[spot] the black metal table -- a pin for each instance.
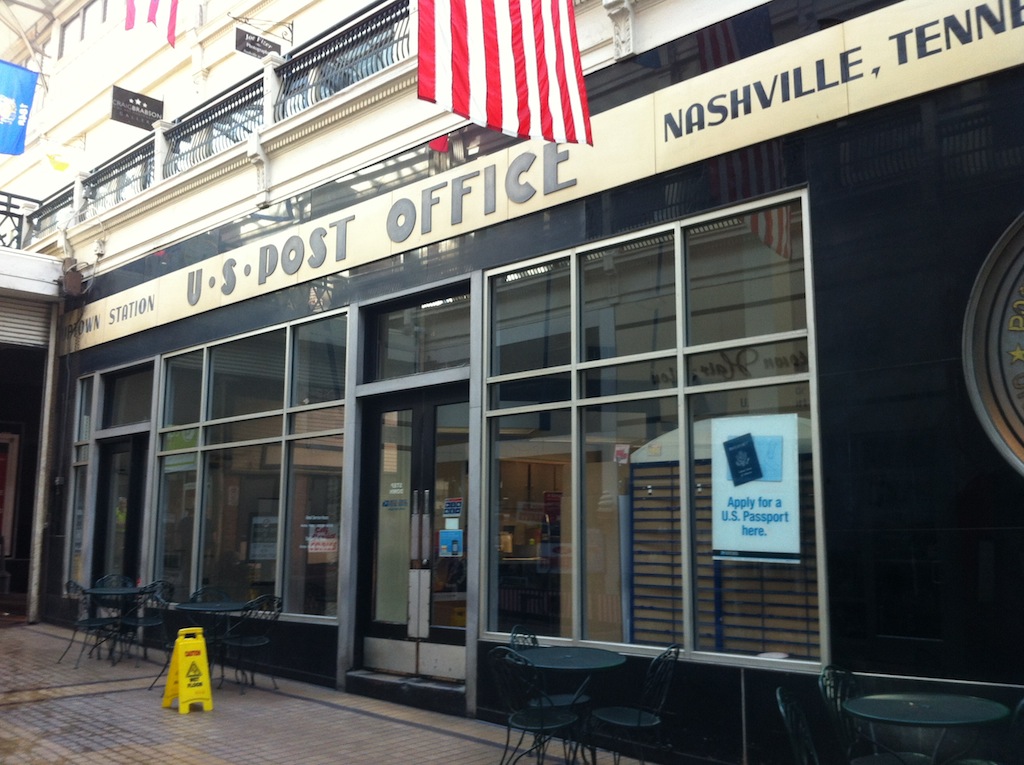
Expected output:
(573, 658)
(214, 616)
(119, 600)
(941, 711)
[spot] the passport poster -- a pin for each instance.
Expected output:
(755, 488)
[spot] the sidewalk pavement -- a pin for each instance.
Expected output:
(98, 713)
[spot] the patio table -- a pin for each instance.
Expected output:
(941, 711)
(118, 600)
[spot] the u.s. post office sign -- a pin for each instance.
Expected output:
(894, 53)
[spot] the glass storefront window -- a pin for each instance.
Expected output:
(77, 531)
(632, 510)
(531, 318)
(745, 276)
(247, 375)
(183, 389)
(697, 531)
(422, 337)
(629, 298)
(127, 397)
(84, 426)
(177, 518)
(240, 520)
(314, 509)
(318, 364)
(755, 556)
(531, 576)
(224, 466)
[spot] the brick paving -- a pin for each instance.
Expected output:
(98, 713)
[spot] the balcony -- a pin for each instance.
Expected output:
(326, 66)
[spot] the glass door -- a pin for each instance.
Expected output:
(413, 575)
(119, 507)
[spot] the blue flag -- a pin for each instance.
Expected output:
(17, 87)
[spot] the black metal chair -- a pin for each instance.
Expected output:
(116, 607)
(1010, 745)
(801, 742)
(521, 638)
(148, 620)
(249, 637)
(80, 611)
(836, 685)
(528, 709)
(638, 726)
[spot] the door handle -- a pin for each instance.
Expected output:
(415, 532)
(426, 512)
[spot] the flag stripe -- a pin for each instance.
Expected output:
(427, 80)
(514, 65)
(494, 107)
(172, 23)
(460, 52)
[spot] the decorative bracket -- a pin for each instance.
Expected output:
(622, 15)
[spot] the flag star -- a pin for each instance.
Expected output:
(1017, 354)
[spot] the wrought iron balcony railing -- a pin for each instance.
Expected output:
(327, 66)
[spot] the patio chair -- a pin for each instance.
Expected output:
(639, 726)
(149, 617)
(249, 637)
(836, 685)
(1010, 745)
(79, 608)
(527, 708)
(522, 638)
(801, 742)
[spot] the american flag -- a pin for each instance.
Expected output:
(154, 9)
(509, 65)
(753, 170)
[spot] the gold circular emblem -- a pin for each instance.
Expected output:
(993, 345)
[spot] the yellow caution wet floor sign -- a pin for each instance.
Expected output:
(188, 678)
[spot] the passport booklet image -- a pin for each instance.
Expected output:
(741, 455)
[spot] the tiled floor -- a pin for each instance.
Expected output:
(98, 713)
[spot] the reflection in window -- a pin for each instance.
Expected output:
(631, 507)
(247, 375)
(318, 369)
(127, 397)
(183, 388)
(743, 295)
(177, 516)
(531, 319)
(314, 507)
(762, 603)
(423, 337)
(233, 455)
(629, 298)
(746, 275)
(240, 520)
(531, 578)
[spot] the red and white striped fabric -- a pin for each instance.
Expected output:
(509, 65)
(151, 17)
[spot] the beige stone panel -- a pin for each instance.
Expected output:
(910, 48)
(796, 92)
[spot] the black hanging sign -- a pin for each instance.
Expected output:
(135, 109)
(253, 44)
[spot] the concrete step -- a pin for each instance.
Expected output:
(419, 692)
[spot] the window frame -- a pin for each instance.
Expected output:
(680, 355)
